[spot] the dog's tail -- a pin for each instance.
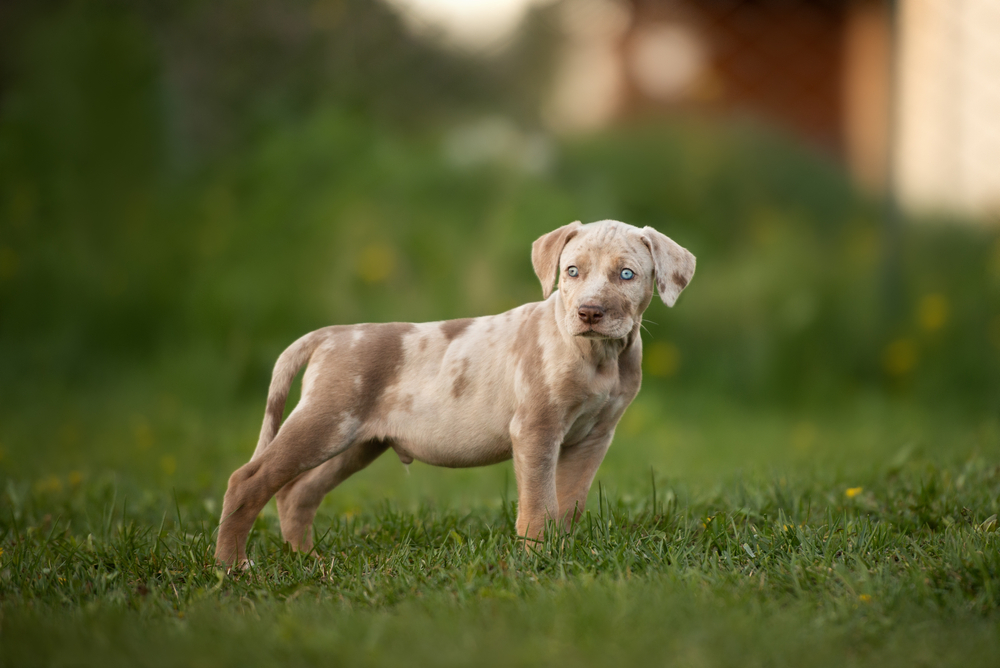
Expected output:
(285, 370)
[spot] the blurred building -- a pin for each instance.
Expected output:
(948, 120)
(905, 92)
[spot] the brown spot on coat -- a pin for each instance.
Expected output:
(679, 280)
(453, 328)
(379, 356)
(541, 419)
(461, 380)
(616, 306)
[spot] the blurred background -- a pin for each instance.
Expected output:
(186, 187)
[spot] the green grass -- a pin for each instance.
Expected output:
(717, 535)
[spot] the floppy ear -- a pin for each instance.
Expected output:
(673, 265)
(545, 254)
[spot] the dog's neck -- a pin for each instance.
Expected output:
(603, 351)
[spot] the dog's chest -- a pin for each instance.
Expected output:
(601, 400)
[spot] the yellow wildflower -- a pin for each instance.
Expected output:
(900, 356)
(852, 492)
(376, 263)
(661, 359)
(168, 464)
(49, 484)
(933, 311)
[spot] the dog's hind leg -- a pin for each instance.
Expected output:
(305, 441)
(299, 499)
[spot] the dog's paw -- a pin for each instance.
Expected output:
(240, 567)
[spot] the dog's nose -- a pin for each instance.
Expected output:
(590, 314)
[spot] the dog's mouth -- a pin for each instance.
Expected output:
(591, 333)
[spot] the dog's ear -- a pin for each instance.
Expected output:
(673, 265)
(545, 254)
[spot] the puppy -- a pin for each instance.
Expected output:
(544, 384)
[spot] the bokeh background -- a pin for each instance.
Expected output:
(186, 187)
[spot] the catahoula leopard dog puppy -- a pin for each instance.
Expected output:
(544, 383)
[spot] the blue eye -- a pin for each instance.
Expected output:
(573, 272)
(627, 274)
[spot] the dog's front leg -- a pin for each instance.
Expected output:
(575, 474)
(536, 453)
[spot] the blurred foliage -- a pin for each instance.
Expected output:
(178, 186)
(214, 75)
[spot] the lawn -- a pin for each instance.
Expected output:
(862, 535)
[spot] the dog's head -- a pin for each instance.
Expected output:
(606, 272)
